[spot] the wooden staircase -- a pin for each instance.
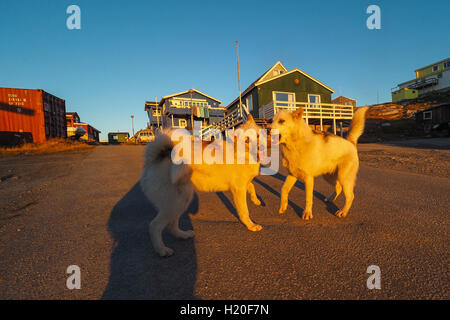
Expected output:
(230, 121)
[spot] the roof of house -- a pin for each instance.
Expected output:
(432, 64)
(118, 133)
(253, 84)
(406, 82)
(87, 124)
(261, 79)
(184, 92)
(344, 98)
(149, 104)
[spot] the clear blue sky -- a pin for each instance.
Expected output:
(128, 52)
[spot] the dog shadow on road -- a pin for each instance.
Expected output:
(136, 271)
(331, 207)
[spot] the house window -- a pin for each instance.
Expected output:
(182, 123)
(435, 68)
(284, 99)
(427, 115)
(447, 64)
(250, 103)
(313, 98)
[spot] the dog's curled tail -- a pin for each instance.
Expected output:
(159, 149)
(357, 126)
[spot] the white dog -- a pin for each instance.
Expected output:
(168, 186)
(308, 153)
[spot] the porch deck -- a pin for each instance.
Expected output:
(313, 113)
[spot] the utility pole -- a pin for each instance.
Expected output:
(239, 80)
(239, 76)
(191, 92)
(157, 110)
(132, 123)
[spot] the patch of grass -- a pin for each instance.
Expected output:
(50, 146)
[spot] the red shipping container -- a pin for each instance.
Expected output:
(32, 111)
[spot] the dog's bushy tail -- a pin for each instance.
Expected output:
(160, 150)
(357, 126)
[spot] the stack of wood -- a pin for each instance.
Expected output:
(392, 111)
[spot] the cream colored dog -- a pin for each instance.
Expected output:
(170, 187)
(234, 177)
(308, 154)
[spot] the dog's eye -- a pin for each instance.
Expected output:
(281, 121)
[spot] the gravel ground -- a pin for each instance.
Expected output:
(87, 209)
(433, 162)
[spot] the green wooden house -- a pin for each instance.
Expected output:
(278, 89)
(279, 84)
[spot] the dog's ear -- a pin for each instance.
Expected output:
(298, 113)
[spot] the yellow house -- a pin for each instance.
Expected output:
(404, 94)
(431, 78)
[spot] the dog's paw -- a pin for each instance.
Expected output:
(255, 227)
(165, 252)
(256, 202)
(282, 210)
(307, 215)
(341, 214)
(186, 234)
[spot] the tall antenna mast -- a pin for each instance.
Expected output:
(239, 79)
(239, 76)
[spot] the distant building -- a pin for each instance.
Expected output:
(432, 78)
(71, 119)
(154, 114)
(345, 101)
(92, 134)
(30, 115)
(118, 137)
(434, 118)
(174, 111)
(73, 122)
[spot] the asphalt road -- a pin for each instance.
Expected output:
(86, 209)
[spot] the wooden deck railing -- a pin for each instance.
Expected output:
(320, 111)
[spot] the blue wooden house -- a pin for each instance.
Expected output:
(175, 110)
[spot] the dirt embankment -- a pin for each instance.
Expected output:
(51, 146)
(433, 162)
